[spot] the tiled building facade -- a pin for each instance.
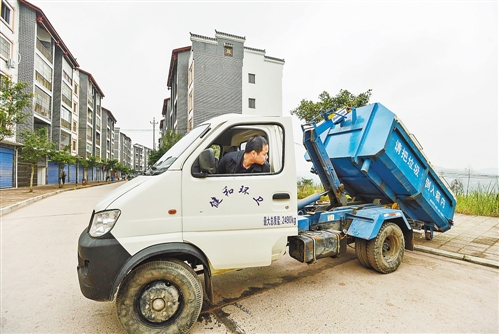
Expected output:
(217, 76)
(123, 148)
(67, 100)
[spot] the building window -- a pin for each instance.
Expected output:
(190, 124)
(89, 133)
(75, 108)
(251, 78)
(43, 73)
(5, 47)
(228, 50)
(190, 75)
(43, 102)
(66, 94)
(75, 126)
(190, 101)
(74, 145)
(67, 77)
(76, 89)
(65, 119)
(6, 12)
(252, 103)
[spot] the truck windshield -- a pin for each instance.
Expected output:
(173, 153)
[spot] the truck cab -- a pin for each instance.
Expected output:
(184, 212)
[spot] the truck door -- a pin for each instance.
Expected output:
(242, 220)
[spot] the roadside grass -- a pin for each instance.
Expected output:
(306, 188)
(483, 201)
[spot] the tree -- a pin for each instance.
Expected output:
(457, 187)
(110, 165)
(13, 99)
(310, 111)
(36, 147)
(61, 158)
(91, 163)
(79, 161)
(124, 170)
(168, 139)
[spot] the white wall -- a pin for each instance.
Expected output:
(267, 89)
(11, 33)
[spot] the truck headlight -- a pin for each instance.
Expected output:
(103, 222)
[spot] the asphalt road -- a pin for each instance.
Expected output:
(40, 292)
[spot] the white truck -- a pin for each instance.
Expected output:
(149, 239)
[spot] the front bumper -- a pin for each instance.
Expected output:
(99, 262)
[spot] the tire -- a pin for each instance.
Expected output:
(159, 297)
(361, 252)
(386, 251)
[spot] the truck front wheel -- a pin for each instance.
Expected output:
(159, 297)
(386, 251)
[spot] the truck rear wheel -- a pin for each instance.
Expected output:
(361, 252)
(386, 251)
(159, 297)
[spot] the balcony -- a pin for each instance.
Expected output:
(42, 111)
(44, 82)
(43, 50)
(65, 124)
(66, 100)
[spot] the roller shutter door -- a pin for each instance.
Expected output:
(53, 173)
(6, 167)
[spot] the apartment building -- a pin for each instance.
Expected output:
(67, 100)
(108, 126)
(49, 67)
(140, 157)
(220, 75)
(123, 148)
(9, 46)
(90, 116)
(165, 112)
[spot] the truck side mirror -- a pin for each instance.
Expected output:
(205, 164)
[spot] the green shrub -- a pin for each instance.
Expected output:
(483, 201)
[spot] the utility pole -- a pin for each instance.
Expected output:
(153, 133)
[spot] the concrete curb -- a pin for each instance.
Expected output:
(19, 205)
(456, 256)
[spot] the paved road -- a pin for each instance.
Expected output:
(40, 293)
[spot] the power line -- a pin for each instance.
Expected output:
(136, 130)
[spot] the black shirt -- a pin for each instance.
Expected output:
(232, 163)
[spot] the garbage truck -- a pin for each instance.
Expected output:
(149, 239)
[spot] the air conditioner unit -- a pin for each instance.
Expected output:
(11, 63)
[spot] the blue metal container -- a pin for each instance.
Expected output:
(375, 157)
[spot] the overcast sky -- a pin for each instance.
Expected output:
(434, 64)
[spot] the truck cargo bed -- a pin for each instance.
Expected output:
(375, 157)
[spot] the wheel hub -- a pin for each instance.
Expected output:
(388, 248)
(159, 302)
